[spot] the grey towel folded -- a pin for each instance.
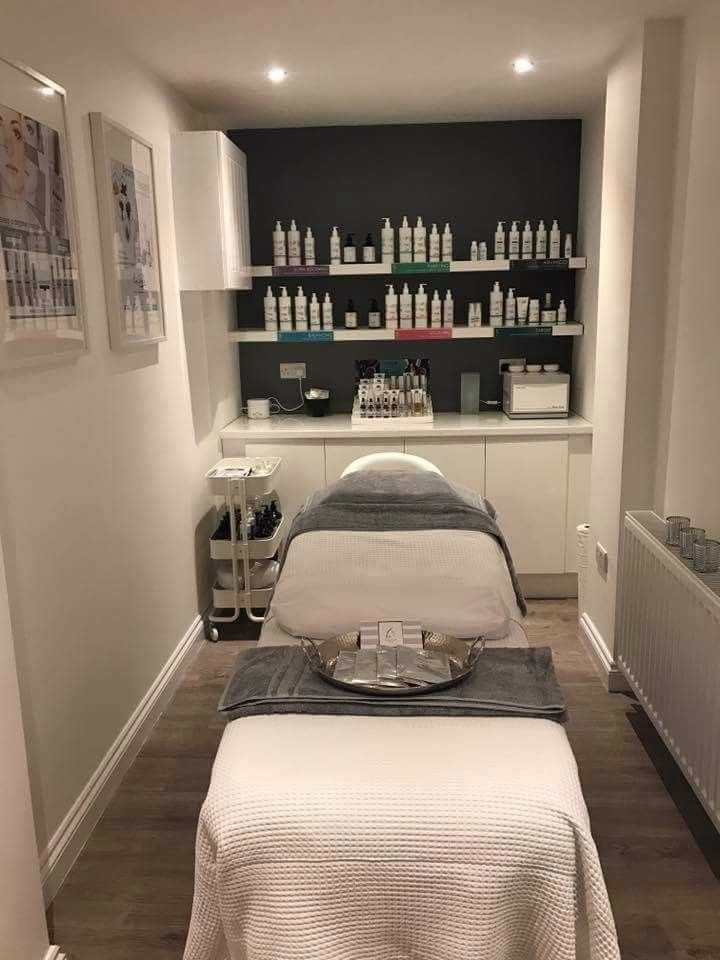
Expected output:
(507, 682)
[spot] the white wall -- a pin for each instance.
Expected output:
(103, 510)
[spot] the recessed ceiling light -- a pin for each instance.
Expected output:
(276, 74)
(47, 91)
(523, 65)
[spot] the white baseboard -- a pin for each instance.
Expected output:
(71, 836)
(610, 674)
(53, 953)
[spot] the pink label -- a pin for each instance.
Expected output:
(424, 334)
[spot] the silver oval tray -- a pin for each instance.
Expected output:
(462, 657)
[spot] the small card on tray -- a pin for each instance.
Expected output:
(390, 633)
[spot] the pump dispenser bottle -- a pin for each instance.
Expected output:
(314, 313)
(474, 250)
(270, 304)
(421, 307)
(448, 310)
(482, 250)
(309, 247)
(405, 241)
(436, 311)
(541, 242)
(349, 251)
(387, 242)
(293, 241)
(285, 309)
(527, 241)
(279, 254)
(568, 245)
(554, 241)
(301, 320)
(510, 309)
(391, 308)
(447, 243)
(562, 312)
(419, 242)
(406, 314)
(496, 306)
(335, 246)
(500, 240)
(327, 313)
(514, 242)
(434, 245)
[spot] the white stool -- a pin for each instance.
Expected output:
(391, 461)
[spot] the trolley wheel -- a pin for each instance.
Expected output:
(213, 634)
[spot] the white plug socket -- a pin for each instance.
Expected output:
(293, 371)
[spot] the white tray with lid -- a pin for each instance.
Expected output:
(259, 474)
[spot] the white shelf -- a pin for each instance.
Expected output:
(254, 484)
(257, 549)
(430, 334)
(410, 269)
(225, 599)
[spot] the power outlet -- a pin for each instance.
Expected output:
(293, 371)
(601, 559)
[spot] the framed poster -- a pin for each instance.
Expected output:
(129, 236)
(41, 305)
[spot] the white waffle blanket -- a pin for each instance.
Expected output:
(424, 838)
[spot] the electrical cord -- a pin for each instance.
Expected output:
(513, 620)
(290, 409)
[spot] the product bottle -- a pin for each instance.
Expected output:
(285, 310)
(500, 240)
(419, 242)
(568, 245)
(541, 242)
(374, 314)
(350, 316)
(335, 246)
(434, 245)
(387, 240)
(349, 252)
(301, 320)
(271, 317)
(436, 310)
(405, 241)
(421, 307)
(309, 247)
(474, 250)
(482, 250)
(406, 315)
(527, 241)
(447, 243)
(327, 313)
(391, 308)
(547, 314)
(279, 255)
(510, 308)
(448, 309)
(534, 312)
(562, 313)
(314, 313)
(554, 241)
(496, 306)
(369, 250)
(293, 242)
(514, 242)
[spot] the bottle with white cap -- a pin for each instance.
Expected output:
(434, 245)
(293, 243)
(541, 242)
(327, 313)
(405, 241)
(448, 309)
(406, 310)
(270, 304)
(514, 242)
(301, 320)
(314, 312)
(447, 243)
(436, 311)
(500, 240)
(562, 312)
(554, 240)
(474, 250)
(309, 247)
(421, 307)
(387, 242)
(527, 241)
(496, 306)
(279, 254)
(510, 311)
(391, 308)
(568, 245)
(482, 250)
(285, 309)
(335, 246)
(419, 242)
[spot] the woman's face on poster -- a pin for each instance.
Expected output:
(12, 154)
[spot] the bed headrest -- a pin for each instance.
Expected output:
(406, 462)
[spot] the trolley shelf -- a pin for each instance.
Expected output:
(225, 599)
(257, 549)
(254, 485)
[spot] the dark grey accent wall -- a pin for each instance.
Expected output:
(470, 174)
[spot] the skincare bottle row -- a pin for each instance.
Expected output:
(288, 249)
(406, 310)
(415, 244)
(308, 316)
(526, 245)
(510, 310)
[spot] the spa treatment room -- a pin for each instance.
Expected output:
(359, 472)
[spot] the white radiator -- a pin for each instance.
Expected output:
(668, 647)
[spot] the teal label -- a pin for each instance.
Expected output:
(303, 336)
(524, 331)
(442, 267)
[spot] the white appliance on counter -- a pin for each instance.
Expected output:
(528, 395)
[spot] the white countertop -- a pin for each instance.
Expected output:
(338, 426)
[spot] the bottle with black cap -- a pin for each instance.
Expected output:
(369, 250)
(374, 318)
(349, 252)
(351, 316)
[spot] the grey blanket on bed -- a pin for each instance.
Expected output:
(507, 682)
(380, 500)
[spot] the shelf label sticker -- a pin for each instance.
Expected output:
(525, 330)
(443, 266)
(302, 336)
(561, 263)
(302, 270)
(431, 333)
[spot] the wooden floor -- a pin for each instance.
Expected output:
(129, 894)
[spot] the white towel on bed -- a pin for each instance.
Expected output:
(425, 838)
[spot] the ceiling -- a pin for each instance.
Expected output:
(377, 61)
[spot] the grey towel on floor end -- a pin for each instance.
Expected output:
(507, 682)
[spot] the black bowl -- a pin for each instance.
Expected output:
(317, 406)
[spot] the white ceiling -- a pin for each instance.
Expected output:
(378, 61)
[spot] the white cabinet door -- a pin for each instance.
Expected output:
(302, 471)
(526, 481)
(340, 453)
(235, 222)
(578, 495)
(462, 461)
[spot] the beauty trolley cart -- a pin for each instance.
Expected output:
(241, 481)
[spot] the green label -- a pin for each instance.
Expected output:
(442, 267)
(303, 336)
(524, 331)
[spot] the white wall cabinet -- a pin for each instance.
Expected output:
(212, 224)
(462, 461)
(340, 453)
